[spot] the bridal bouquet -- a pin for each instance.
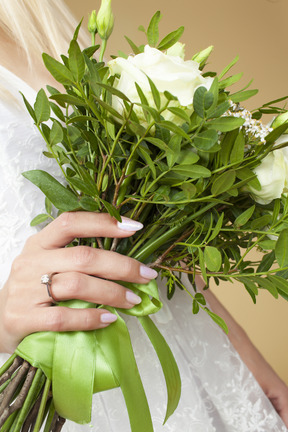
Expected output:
(162, 140)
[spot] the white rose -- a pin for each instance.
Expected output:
(272, 174)
(168, 72)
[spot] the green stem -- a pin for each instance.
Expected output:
(146, 251)
(42, 406)
(30, 398)
(8, 363)
(102, 50)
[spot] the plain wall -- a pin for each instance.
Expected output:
(256, 30)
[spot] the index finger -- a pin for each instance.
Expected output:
(71, 225)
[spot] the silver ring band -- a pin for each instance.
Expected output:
(46, 279)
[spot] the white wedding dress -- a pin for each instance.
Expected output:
(219, 394)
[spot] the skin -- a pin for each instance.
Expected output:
(81, 273)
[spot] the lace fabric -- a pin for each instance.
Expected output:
(218, 392)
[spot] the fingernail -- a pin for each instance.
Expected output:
(129, 225)
(107, 318)
(133, 298)
(147, 272)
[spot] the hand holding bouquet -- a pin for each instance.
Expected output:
(158, 139)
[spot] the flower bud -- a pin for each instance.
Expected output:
(203, 55)
(279, 120)
(177, 50)
(92, 26)
(105, 20)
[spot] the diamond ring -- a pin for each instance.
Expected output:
(46, 279)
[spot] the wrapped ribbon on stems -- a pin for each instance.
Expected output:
(82, 363)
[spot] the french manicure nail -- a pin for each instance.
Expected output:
(147, 272)
(133, 298)
(129, 225)
(107, 318)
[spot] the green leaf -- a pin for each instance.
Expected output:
(202, 101)
(266, 284)
(111, 210)
(200, 298)
(244, 217)
(237, 152)
(218, 320)
(227, 68)
(223, 183)
(83, 186)
(175, 129)
(229, 81)
(226, 124)
(202, 265)
(89, 204)
(158, 143)
(206, 140)
(57, 111)
(187, 157)
(39, 219)
(145, 155)
(170, 39)
(217, 228)
(155, 94)
(261, 222)
(134, 47)
(195, 307)
(243, 95)
(42, 107)
(153, 29)
(76, 33)
(68, 99)
(276, 133)
(141, 95)
(61, 197)
(76, 61)
(251, 289)
(281, 285)
(267, 262)
(48, 206)
(249, 176)
(114, 91)
(59, 71)
(56, 134)
(192, 171)
(29, 108)
(181, 113)
(281, 249)
(219, 110)
(174, 150)
(108, 108)
(212, 258)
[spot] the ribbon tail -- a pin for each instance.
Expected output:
(168, 363)
(117, 348)
(73, 375)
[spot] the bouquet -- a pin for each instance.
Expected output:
(164, 141)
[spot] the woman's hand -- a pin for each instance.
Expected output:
(80, 272)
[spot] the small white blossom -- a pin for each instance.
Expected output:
(253, 128)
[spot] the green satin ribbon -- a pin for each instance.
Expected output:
(82, 363)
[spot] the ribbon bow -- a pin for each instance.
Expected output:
(82, 363)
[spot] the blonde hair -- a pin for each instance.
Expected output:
(39, 26)
(34, 27)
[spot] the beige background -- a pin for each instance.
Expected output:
(256, 30)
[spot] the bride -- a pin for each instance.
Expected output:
(219, 392)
